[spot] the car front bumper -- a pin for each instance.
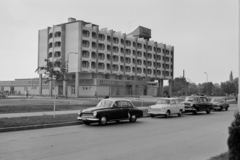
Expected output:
(157, 112)
(93, 119)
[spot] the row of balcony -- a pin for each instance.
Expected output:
(101, 66)
(115, 40)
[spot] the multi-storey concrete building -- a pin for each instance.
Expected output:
(105, 62)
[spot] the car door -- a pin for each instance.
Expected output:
(116, 111)
(206, 103)
(125, 106)
(172, 106)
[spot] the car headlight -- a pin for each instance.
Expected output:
(95, 113)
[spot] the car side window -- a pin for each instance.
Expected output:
(117, 104)
(126, 104)
(177, 102)
(172, 102)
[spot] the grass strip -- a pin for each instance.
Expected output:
(41, 108)
(223, 156)
(36, 120)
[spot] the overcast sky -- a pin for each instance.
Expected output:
(204, 33)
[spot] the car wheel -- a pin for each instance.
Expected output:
(226, 108)
(221, 108)
(151, 115)
(180, 113)
(133, 118)
(87, 123)
(195, 112)
(167, 114)
(103, 120)
(208, 111)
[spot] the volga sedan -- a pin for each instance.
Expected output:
(219, 104)
(110, 110)
(166, 106)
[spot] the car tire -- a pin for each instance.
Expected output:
(167, 114)
(102, 120)
(221, 108)
(133, 118)
(87, 123)
(195, 112)
(180, 113)
(226, 108)
(151, 115)
(208, 111)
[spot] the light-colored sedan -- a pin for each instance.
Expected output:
(166, 107)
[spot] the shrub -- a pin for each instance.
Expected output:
(234, 138)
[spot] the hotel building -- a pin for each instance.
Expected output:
(104, 62)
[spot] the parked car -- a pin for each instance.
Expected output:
(110, 109)
(219, 104)
(196, 104)
(166, 107)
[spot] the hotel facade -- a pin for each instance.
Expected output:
(104, 62)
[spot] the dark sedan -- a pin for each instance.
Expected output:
(219, 104)
(110, 110)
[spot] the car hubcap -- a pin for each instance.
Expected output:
(133, 117)
(103, 120)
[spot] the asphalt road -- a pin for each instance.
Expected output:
(191, 137)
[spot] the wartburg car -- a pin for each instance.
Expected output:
(196, 104)
(219, 104)
(110, 110)
(166, 107)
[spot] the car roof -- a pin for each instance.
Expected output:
(117, 99)
(169, 98)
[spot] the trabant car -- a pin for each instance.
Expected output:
(196, 104)
(110, 110)
(219, 104)
(166, 107)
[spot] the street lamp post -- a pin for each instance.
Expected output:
(206, 76)
(67, 69)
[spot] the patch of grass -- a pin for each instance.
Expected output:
(223, 156)
(36, 120)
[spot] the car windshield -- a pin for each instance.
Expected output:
(105, 103)
(191, 99)
(216, 100)
(163, 101)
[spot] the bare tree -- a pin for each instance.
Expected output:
(56, 72)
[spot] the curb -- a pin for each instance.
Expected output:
(21, 128)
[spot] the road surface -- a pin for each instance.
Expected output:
(192, 137)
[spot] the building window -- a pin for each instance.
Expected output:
(115, 40)
(139, 46)
(57, 54)
(101, 46)
(115, 58)
(85, 54)
(72, 89)
(158, 57)
(85, 43)
(108, 38)
(50, 55)
(57, 44)
(50, 45)
(128, 52)
(85, 64)
(128, 43)
(101, 37)
(139, 53)
(150, 48)
(122, 41)
(94, 35)
(50, 35)
(158, 50)
(108, 48)
(108, 67)
(101, 56)
(85, 33)
(108, 57)
(94, 45)
(93, 65)
(93, 55)
(115, 49)
(134, 53)
(115, 67)
(58, 34)
(101, 66)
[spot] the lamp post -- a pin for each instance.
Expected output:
(206, 76)
(67, 69)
